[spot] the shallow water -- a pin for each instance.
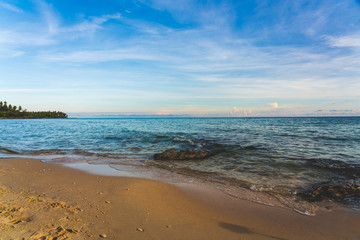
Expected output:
(276, 155)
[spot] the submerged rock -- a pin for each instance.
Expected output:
(340, 193)
(184, 154)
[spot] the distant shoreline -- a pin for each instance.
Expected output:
(29, 118)
(176, 117)
(8, 111)
(189, 117)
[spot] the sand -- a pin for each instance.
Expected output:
(47, 201)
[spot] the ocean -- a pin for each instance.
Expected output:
(292, 160)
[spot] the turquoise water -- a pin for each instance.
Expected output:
(283, 155)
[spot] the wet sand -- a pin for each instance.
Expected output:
(47, 201)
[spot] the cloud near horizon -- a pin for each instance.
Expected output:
(274, 105)
(238, 112)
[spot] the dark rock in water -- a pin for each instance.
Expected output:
(185, 154)
(8, 151)
(338, 193)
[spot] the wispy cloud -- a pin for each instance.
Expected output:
(11, 7)
(99, 56)
(90, 25)
(352, 40)
(52, 19)
(54, 32)
(36, 90)
(17, 54)
(27, 39)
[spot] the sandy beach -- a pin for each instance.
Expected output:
(47, 201)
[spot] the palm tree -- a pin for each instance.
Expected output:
(18, 112)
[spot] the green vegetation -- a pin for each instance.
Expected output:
(9, 111)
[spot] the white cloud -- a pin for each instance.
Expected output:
(345, 41)
(238, 112)
(273, 105)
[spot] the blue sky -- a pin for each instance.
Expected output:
(202, 58)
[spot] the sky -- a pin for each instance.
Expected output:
(227, 58)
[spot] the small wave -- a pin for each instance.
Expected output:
(330, 163)
(84, 153)
(234, 148)
(252, 147)
(306, 212)
(103, 156)
(214, 146)
(45, 152)
(7, 151)
(336, 165)
(114, 138)
(144, 138)
(161, 137)
(261, 188)
(185, 154)
(289, 135)
(186, 140)
(336, 138)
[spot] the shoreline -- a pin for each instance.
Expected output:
(197, 184)
(49, 200)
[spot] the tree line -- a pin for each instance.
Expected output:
(9, 111)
